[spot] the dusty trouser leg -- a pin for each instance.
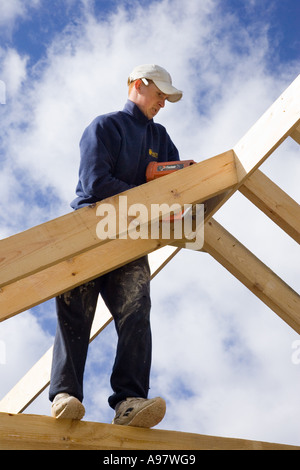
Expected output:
(75, 313)
(126, 292)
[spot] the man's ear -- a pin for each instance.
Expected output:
(138, 84)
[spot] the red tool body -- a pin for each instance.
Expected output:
(157, 169)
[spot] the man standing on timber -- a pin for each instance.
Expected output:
(115, 150)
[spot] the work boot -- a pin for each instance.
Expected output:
(140, 412)
(67, 407)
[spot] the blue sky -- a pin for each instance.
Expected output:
(221, 358)
(282, 19)
(32, 35)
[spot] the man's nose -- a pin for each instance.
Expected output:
(162, 102)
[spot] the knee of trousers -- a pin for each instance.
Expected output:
(136, 312)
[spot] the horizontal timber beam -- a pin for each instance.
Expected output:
(31, 432)
(48, 244)
(254, 274)
(274, 202)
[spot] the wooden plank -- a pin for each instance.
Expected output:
(269, 131)
(29, 387)
(59, 278)
(274, 126)
(274, 202)
(295, 134)
(52, 242)
(254, 274)
(31, 432)
(217, 175)
(34, 382)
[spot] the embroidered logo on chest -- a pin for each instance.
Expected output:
(153, 154)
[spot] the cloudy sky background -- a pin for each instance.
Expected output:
(221, 358)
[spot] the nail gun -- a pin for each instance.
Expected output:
(157, 169)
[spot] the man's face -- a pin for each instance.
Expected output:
(150, 99)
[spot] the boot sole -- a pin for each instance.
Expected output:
(149, 416)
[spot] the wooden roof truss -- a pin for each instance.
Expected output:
(58, 255)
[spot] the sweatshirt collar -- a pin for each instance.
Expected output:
(132, 109)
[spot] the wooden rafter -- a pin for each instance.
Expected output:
(295, 134)
(254, 274)
(274, 202)
(274, 126)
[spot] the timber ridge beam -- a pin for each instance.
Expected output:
(31, 432)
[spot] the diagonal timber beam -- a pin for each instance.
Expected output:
(295, 134)
(281, 120)
(275, 125)
(254, 274)
(212, 177)
(59, 278)
(34, 382)
(31, 432)
(274, 202)
(44, 246)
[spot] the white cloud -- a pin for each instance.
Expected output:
(221, 358)
(12, 10)
(13, 70)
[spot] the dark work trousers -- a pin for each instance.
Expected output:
(126, 292)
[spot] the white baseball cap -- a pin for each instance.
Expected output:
(160, 77)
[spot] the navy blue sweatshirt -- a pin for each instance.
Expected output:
(115, 150)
